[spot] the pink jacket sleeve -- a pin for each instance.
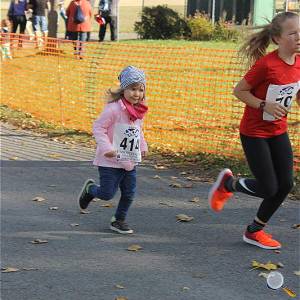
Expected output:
(144, 146)
(100, 130)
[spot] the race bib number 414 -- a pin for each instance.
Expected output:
(126, 142)
(282, 94)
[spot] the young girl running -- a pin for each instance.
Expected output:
(120, 146)
(268, 90)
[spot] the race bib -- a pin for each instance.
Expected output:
(126, 142)
(283, 94)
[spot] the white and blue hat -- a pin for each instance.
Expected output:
(131, 75)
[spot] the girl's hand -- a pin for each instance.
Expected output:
(275, 109)
(144, 153)
(110, 154)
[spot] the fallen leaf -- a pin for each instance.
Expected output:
(184, 218)
(134, 247)
(156, 177)
(175, 185)
(291, 293)
(280, 265)
(296, 226)
(119, 286)
(84, 212)
(74, 224)
(38, 199)
(14, 158)
(9, 270)
(53, 208)
(121, 298)
(268, 266)
(297, 273)
(174, 177)
(185, 288)
(38, 241)
(263, 274)
(277, 251)
(193, 178)
(159, 167)
(195, 199)
(183, 173)
(55, 155)
(107, 205)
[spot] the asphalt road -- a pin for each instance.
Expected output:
(82, 259)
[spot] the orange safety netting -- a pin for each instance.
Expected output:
(189, 90)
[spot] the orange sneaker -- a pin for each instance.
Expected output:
(261, 239)
(218, 194)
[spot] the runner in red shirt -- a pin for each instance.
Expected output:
(268, 90)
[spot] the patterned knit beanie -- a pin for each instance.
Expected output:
(131, 75)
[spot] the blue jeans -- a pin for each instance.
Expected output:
(40, 23)
(80, 37)
(110, 180)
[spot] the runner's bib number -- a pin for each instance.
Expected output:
(126, 141)
(283, 94)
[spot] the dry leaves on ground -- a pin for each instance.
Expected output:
(184, 218)
(121, 298)
(39, 241)
(195, 200)
(9, 270)
(53, 208)
(134, 247)
(107, 205)
(119, 286)
(38, 199)
(291, 293)
(296, 226)
(268, 266)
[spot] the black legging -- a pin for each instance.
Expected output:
(19, 21)
(271, 162)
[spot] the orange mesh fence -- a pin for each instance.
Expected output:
(189, 90)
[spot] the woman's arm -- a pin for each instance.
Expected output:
(243, 92)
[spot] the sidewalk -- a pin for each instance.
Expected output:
(82, 259)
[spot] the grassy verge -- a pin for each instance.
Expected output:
(200, 167)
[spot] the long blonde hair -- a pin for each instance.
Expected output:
(115, 95)
(256, 45)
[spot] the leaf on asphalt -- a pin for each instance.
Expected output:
(184, 218)
(291, 293)
(183, 173)
(159, 167)
(74, 224)
(38, 199)
(107, 205)
(263, 274)
(156, 177)
(173, 177)
(175, 185)
(134, 247)
(268, 266)
(297, 273)
(84, 212)
(55, 155)
(38, 241)
(9, 270)
(195, 200)
(119, 286)
(14, 158)
(166, 204)
(185, 288)
(296, 226)
(121, 298)
(280, 265)
(53, 208)
(277, 251)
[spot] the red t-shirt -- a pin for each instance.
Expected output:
(272, 80)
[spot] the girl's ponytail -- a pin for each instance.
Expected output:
(256, 45)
